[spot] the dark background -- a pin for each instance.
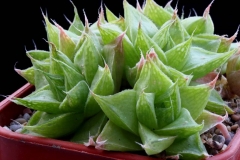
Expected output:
(22, 23)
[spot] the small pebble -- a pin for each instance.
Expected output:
(212, 151)
(20, 116)
(27, 110)
(21, 120)
(217, 145)
(18, 130)
(15, 127)
(224, 147)
(217, 131)
(26, 116)
(234, 127)
(5, 127)
(235, 117)
(13, 123)
(238, 122)
(229, 128)
(219, 138)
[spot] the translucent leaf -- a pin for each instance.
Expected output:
(87, 60)
(91, 128)
(151, 74)
(200, 61)
(144, 43)
(133, 17)
(177, 56)
(39, 54)
(145, 110)
(110, 16)
(184, 126)
(210, 120)
(114, 138)
(120, 22)
(120, 108)
(189, 148)
(75, 98)
(114, 57)
(77, 25)
(195, 98)
(42, 100)
(56, 125)
(153, 143)
(103, 85)
(207, 41)
(217, 105)
(156, 13)
(109, 33)
(27, 74)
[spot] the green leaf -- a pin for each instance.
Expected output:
(179, 77)
(156, 13)
(120, 108)
(75, 98)
(52, 32)
(189, 148)
(103, 85)
(199, 24)
(144, 43)
(151, 74)
(153, 143)
(200, 61)
(114, 57)
(109, 33)
(90, 129)
(42, 100)
(184, 126)
(133, 17)
(66, 44)
(195, 98)
(216, 104)
(77, 25)
(177, 56)
(27, 74)
(56, 125)
(39, 54)
(114, 138)
(110, 16)
(145, 110)
(88, 59)
(207, 41)
(210, 120)
(71, 76)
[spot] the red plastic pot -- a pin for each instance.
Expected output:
(24, 147)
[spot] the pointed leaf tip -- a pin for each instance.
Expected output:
(206, 12)
(213, 82)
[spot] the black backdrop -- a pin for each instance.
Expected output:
(22, 23)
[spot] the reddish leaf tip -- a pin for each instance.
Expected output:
(206, 12)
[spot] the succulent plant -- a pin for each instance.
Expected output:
(132, 83)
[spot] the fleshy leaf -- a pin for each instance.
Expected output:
(91, 128)
(179, 77)
(39, 54)
(183, 126)
(120, 108)
(226, 43)
(56, 125)
(144, 43)
(177, 56)
(156, 13)
(75, 98)
(71, 76)
(195, 98)
(120, 22)
(114, 138)
(207, 41)
(41, 100)
(200, 61)
(114, 57)
(133, 17)
(151, 74)
(217, 105)
(110, 16)
(77, 25)
(56, 84)
(109, 34)
(199, 24)
(189, 148)
(145, 110)
(87, 60)
(210, 120)
(27, 74)
(153, 143)
(66, 44)
(103, 85)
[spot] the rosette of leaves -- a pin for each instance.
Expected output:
(129, 83)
